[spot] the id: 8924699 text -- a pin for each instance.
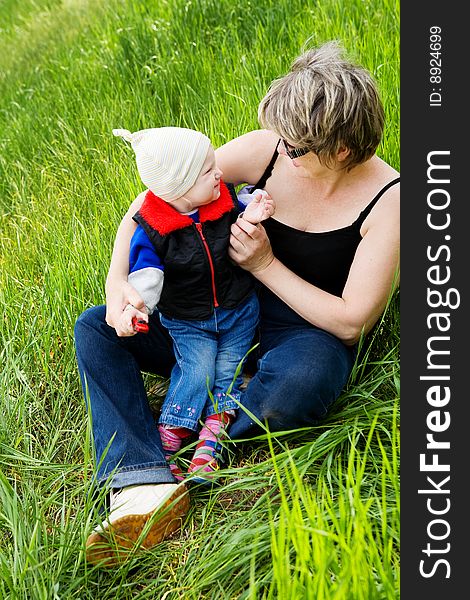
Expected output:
(435, 66)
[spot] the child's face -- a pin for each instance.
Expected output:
(207, 186)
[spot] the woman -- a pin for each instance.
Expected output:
(327, 264)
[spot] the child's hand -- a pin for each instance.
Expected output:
(118, 297)
(126, 327)
(260, 208)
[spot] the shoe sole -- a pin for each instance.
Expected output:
(113, 546)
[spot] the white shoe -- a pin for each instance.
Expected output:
(131, 519)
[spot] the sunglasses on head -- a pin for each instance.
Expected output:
(293, 152)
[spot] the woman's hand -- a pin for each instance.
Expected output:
(250, 247)
(119, 297)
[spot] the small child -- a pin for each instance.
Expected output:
(179, 264)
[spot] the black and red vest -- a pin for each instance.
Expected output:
(199, 274)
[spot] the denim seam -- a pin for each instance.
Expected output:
(134, 469)
(229, 405)
(179, 422)
(143, 467)
(180, 379)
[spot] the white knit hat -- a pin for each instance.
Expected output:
(169, 159)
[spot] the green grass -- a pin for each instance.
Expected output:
(308, 515)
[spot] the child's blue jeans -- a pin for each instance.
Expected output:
(207, 355)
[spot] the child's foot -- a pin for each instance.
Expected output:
(172, 440)
(206, 457)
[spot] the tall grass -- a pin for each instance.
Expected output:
(309, 515)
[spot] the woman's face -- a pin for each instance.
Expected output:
(292, 151)
(302, 164)
(307, 164)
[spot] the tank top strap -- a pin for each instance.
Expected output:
(267, 172)
(364, 213)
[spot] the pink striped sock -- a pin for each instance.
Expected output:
(172, 439)
(214, 430)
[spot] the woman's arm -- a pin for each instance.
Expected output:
(118, 291)
(244, 159)
(371, 280)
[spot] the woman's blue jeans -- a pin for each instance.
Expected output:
(301, 372)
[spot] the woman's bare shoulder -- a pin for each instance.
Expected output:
(137, 202)
(384, 168)
(244, 159)
(391, 176)
(385, 177)
(385, 215)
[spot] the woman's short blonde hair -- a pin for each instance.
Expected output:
(325, 103)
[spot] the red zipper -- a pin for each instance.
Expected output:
(211, 264)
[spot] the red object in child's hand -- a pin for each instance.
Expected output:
(140, 325)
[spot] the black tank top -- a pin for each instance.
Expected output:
(323, 259)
